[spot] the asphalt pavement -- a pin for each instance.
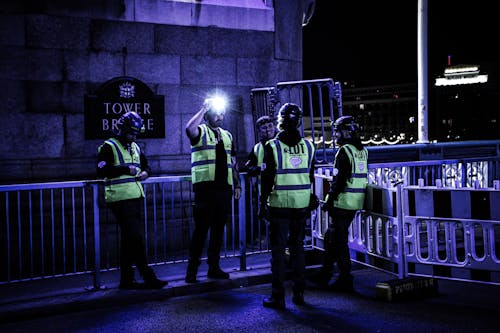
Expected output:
(235, 305)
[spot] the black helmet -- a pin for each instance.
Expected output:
(345, 123)
(130, 122)
(289, 116)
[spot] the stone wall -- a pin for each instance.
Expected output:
(54, 52)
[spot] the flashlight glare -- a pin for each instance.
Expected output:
(217, 103)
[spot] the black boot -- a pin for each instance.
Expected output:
(191, 272)
(150, 279)
(127, 279)
(131, 285)
(215, 272)
(274, 302)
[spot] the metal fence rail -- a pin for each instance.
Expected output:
(64, 228)
(47, 230)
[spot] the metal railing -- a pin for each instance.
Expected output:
(64, 228)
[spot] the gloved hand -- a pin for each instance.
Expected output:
(328, 203)
(263, 211)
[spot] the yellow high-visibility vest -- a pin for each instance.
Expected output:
(203, 155)
(292, 185)
(127, 186)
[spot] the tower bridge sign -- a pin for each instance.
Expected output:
(118, 96)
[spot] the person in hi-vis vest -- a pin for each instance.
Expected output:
(123, 166)
(345, 197)
(267, 130)
(286, 182)
(214, 177)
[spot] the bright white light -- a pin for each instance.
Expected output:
(461, 69)
(217, 103)
(463, 80)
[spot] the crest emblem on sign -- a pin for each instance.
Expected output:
(127, 90)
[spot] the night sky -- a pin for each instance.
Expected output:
(375, 42)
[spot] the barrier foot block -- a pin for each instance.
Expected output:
(407, 288)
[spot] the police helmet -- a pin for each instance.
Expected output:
(345, 123)
(130, 122)
(289, 116)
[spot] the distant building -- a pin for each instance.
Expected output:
(386, 114)
(464, 105)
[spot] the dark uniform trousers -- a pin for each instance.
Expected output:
(132, 248)
(211, 208)
(287, 228)
(336, 242)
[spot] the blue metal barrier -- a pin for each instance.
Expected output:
(65, 228)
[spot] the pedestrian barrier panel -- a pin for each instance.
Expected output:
(374, 237)
(423, 231)
(452, 233)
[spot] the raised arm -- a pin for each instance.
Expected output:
(192, 129)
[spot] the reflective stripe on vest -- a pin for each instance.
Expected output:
(203, 155)
(258, 150)
(292, 185)
(353, 196)
(123, 187)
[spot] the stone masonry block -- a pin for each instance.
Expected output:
(22, 64)
(52, 32)
(242, 43)
(247, 75)
(72, 97)
(45, 97)
(12, 30)
(154, 68)
(115, 35)
(171, 92)
(104, 66)
(13, 97)
(176, 40)
(76, 65)
(217, 71)
(43, 141)
(75, 132)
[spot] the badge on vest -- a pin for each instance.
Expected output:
(295, 161)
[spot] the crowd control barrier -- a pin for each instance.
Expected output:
(429, 231)
(452, 233)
